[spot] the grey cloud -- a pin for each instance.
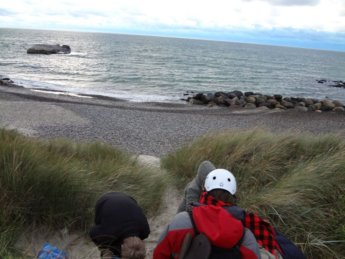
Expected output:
(289, 2)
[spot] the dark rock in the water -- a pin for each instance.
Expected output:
(321, 81)
(338, 84)
(332, 83)
(49, 49)
(5, 80)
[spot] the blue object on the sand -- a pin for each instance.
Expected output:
(51, 252)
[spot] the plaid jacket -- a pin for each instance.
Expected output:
(263, 231)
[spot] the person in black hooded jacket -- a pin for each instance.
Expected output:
(120, 227)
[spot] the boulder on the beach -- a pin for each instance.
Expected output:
(339, 109)
(234, 94)
(286, 104)
(250, 106)
(49, 49)
(327, 105)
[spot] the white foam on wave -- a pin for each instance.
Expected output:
(44, 87)
(32, 84)
(61, 93)
(77, 54)
(134, 97)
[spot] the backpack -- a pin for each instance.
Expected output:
(289, 249)
(200, 247)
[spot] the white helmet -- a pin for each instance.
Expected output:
(221, 179)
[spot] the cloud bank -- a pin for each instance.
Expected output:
(322, 15)
(179, 16)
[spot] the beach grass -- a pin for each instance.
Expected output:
(295, 181)
(56, 183)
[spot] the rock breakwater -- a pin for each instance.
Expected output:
(251, 100)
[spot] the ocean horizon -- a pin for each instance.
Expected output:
(160, 69)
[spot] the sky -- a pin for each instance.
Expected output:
(316, 24)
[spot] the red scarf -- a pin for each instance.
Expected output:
(262, 230)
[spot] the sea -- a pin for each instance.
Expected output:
(161, 69)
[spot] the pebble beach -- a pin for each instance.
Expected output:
(154, 129)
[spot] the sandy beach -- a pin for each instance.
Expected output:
(143, 128)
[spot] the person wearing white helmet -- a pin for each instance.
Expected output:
(216, 218)
(221, 179)
(206, 188)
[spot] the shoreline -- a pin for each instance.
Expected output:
(45, 95)
(144, 128)
(235, 99)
